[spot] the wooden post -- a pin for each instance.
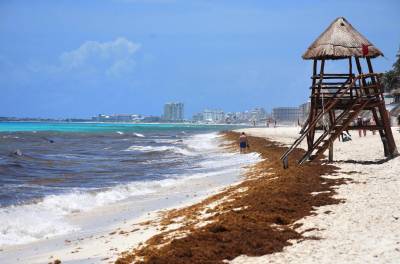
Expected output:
(311, 115)
(350, 66)
(317, 98)
(389, 144)
(359, 69)
(332, 123)
(330, 157)
(286, 163)
(351, 73)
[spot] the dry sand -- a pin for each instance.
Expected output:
(363, 229)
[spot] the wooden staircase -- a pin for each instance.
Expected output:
(349, 99)
(330, 134)
(341, 92)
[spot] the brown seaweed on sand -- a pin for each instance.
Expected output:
(255, 217)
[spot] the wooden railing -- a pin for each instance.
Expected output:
(347, 90)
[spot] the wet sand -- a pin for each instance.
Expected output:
(258, 216)
(108, 230)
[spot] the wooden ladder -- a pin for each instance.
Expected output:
(329, 135)
(308, 126)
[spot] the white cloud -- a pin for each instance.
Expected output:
(120, 68)
(113, 58)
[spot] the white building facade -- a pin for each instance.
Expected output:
(173, 112)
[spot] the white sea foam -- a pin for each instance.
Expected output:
(6, 136)
(175, 149)
(138, 135)
(28, 223)
(49, 217)
(148, 148)
(120, 132)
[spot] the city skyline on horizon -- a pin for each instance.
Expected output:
(187, 117)
(59, 60)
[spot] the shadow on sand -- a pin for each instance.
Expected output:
(365, 162)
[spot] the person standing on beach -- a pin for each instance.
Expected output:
(373, 123)
(243, 143)
(364, 123)
(359, 124)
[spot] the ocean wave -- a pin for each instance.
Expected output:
(8, 136)
(31, 222)
(120, 132)
(205, 143)
(49, 217)
(197, 144)
(165, 141)
(138, 135)
(174, 149)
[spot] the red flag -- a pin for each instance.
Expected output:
(364, 50)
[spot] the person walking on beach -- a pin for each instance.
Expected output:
(364, 123)
(243, 143)
(359, 124)
(373, 123)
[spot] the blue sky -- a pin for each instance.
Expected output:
(81, 58)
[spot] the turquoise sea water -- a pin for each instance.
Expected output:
(49, 170)
(104, 127)
(52, 170)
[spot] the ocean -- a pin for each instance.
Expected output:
(52, 171)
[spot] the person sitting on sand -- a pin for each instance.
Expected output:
(243, 143)
(398, 121)
(345, 135)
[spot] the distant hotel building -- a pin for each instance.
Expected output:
(173, 112)
(118, 118)
(214, 116)
(217, 116)
(198, 117)
(304, 111)
(258, 114)
(286, 114)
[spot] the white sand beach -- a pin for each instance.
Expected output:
(362, 229)
(365, 228)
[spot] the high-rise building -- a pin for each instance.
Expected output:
(258, 114)
(173, 111)
(304, 110)
(286, 114)
(215, 116)
(198, 117)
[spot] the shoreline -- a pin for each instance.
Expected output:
(310, 214)
(255, 217)
(116, 227)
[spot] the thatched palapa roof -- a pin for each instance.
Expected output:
(340, 40)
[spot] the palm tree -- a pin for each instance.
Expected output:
(390, 78)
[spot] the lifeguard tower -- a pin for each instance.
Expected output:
(337, 99)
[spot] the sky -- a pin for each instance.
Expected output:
(80, 58)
